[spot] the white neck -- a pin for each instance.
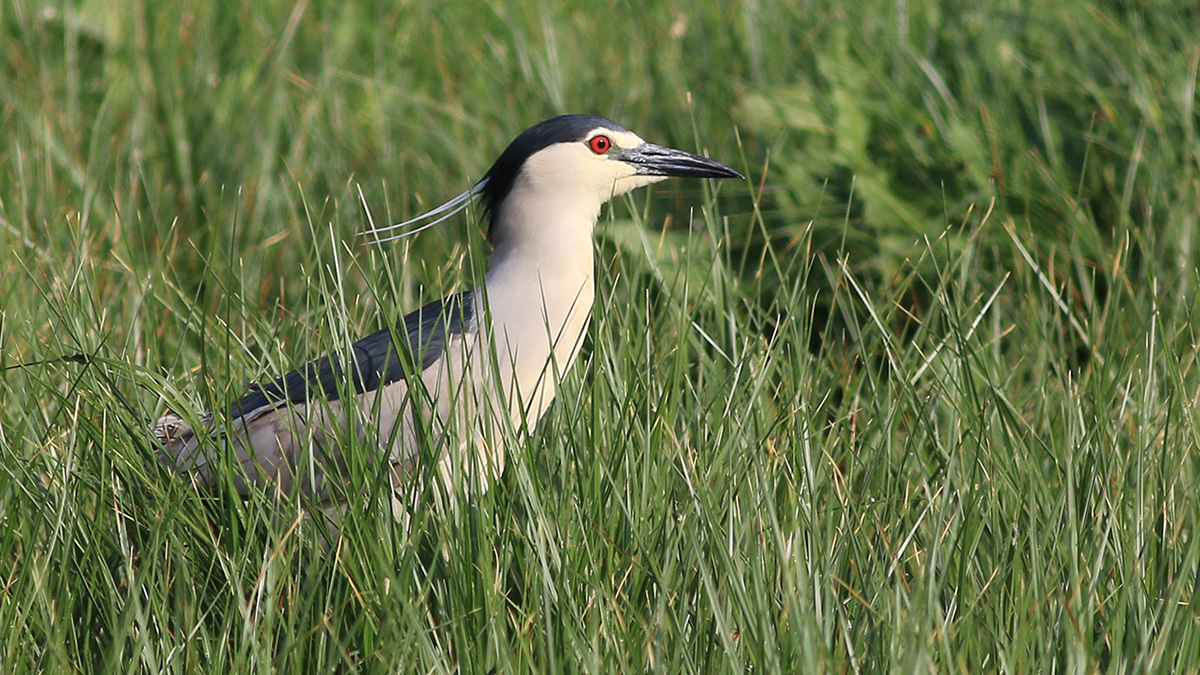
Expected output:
(540, 290)
(553, 235)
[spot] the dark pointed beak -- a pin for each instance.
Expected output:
(655, 160)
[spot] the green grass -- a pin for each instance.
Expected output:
(920, 395)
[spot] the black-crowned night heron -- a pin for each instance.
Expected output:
(487, 358)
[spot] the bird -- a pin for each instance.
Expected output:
(458, 371)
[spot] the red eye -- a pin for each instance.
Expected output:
(599, 144)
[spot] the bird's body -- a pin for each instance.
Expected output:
(487, 358)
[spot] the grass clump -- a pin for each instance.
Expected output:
(918, 396)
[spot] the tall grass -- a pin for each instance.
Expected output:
(919, 395)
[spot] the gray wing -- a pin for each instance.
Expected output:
(375, 360)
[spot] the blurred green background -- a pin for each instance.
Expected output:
(918, 395)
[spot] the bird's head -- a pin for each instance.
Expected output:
(583, 161)
(572, 163)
